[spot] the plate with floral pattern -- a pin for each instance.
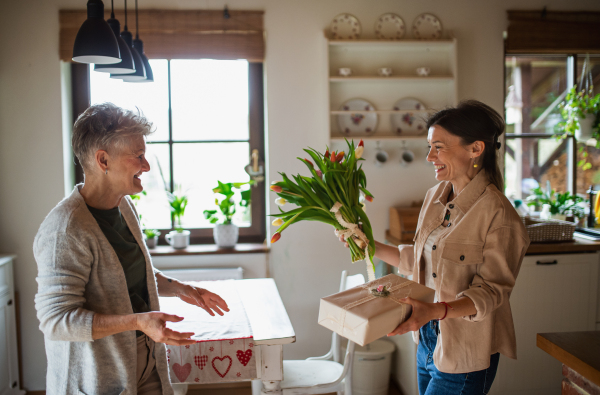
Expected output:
(389, 27)
(411, 116)
(345, 27)
(427, 26)
(360, 122)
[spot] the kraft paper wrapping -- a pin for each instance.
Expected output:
(358, 315)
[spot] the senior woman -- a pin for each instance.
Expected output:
(97, 298)
(469, 246)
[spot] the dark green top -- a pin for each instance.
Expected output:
(130, 255)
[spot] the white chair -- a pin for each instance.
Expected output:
(319, 375)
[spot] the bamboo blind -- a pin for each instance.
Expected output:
(181, 34)
(533, 32)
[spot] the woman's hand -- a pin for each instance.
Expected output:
(342, 238)
(422, 313)
(154, 324)
(202, 298)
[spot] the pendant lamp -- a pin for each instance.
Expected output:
(126, 65)
(140, 73)
(95, 41)
(139, 46)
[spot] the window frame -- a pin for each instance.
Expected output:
(256, 232)
(571, 142)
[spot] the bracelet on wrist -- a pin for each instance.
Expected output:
(446, 312)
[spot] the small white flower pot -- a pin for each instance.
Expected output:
(151, 242)
(226, 236)
(178, 239)
(584, 133)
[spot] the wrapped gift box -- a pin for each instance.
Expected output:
(362, 314)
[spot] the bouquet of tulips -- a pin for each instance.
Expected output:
(332, 194)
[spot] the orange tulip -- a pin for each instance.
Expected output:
(276, 188)
(333, 157)
(326, 154)
(361, 144)
(340, 156)
(276, 236)
(309, 162)
(369, 198)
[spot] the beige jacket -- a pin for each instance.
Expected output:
(79, 274)
(477, 256)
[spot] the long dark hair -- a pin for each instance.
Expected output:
(474, 121)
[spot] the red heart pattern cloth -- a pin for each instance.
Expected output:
(182, 372)
(219, 363)
(200, 361)
(244, 356)
(212, 362)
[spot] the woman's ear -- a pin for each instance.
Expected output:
(477, 148)
(102, 160)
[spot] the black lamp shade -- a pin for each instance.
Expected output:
(140, 73)
(139, 46)
(95, 41)
(126, 65)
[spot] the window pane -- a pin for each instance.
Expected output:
(549, 158)
(152, 98)
(209, 99)
(198, 166)
(154, 206)
(537, 82)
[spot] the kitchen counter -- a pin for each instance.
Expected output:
(580, 354)
(577, 246)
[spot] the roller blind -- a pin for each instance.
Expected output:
(532, 32)
(181, 34)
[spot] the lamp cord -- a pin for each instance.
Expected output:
(125, 28)
(112, 9)
(137, 37)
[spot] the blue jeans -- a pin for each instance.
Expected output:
(434, 382)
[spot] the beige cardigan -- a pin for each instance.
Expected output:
(477, 256)
(79, 274)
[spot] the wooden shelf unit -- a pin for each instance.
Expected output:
(365, 57)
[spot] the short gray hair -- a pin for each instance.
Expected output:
(108, 127)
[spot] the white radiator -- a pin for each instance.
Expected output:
(206, 274)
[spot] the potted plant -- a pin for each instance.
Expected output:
(151, 237)
(178, 238)
(561, 204)
(225, 232)
(580, 112)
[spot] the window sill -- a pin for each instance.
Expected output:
(210, 249)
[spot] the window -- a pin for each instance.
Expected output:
(534, 86)
(208, 117)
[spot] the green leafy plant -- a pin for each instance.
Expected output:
(178, 202)
(151, 233)
(559, 203)
(578, 106)
(136, 199)
(226, 204)
(331, 195)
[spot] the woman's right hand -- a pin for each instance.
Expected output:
(342, 238)
(154, 324)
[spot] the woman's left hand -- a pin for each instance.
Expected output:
(202, 298)
(422, 313)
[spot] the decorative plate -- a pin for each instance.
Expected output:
(427, 26)
(389, 27)
(359, 123)
(411, 118)
(345, 27)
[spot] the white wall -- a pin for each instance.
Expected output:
(307, 261)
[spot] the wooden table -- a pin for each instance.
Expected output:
(580, 354)
(271, 329)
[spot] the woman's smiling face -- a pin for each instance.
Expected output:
(452, 160)
(129, 164)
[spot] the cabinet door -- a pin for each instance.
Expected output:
(553, 293)
(9, 373)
